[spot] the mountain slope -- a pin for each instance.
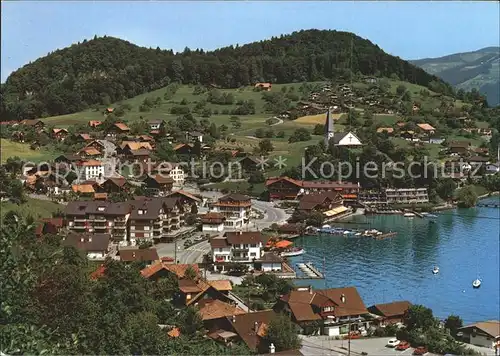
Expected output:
(107, 69)
(479, 69)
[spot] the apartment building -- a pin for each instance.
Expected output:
(127, 222)
(99, 217)
(155, 219)
(236, 209)
(238, 247)
(406, 195)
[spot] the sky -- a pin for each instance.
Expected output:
(410, 30)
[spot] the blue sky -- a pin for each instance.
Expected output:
(410, 30)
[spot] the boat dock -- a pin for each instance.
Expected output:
(384, 236)
(309, 271)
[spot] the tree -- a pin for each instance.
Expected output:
(235, 122)
(257, 177)
(165, 151)
(319, 129)
(453, 323)
(467, 197)
(191, 322)
(419, 317)
(301, 134)
(265, 146)
(191, 273)
(282, 332)
(14, 165)
(190, 219)
(446, 188)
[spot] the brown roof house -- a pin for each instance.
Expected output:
(159, 183)
(59, 134)
(213, 222)
(96, 246)
(263, 86)
(114, 185)
(148, 255)
(483, 333)
(390, 313)
(329, 311)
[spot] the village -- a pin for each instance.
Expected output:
(121, 200)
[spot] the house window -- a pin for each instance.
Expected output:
(253, 254)
(220, 249)
(253, 245)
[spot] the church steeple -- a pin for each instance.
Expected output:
(329, 129)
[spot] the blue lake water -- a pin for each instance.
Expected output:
(464, 243)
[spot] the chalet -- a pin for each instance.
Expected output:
(141, 154)
(483, 333)
(408, 135)
(159, 183)
(184, 149)
(330, 311)
(49, 226)
(59, 134)
(145, 138)
(189, 201)
(100, 196)
(330, 203)
(288, 188)
(214, 312)
(161, 269)
(213, 222)
(458, 148)
(38, 125)
(194, 136)
(198, 290)
(482, 151)
(109, 110)
(478, 160)
(250, 164)
(263, 86)
(390, 313)
(119, 128)
(126, 147)
(96, 246)
(114, 185)
(236, 208)
(89, 152)
(67, 159)
(346, 139)
(156, 124)
(97, 144)
(148, 255)
(82, 137)
(428, 129)
(388, 130)
(95, 123)
(83, 189)
(251, 328)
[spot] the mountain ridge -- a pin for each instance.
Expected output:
(108, 69)
(478, 70)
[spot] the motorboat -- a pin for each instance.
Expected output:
(476, 283)
(409, 215)
(295, 251)
(435, 270)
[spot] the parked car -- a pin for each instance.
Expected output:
(392, 343)
(421, 350)
(353, 335)
(198, 238)
(188, 243)
(403, 345)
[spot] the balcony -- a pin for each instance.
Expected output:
(80, 220)
(119, 227)
(79, 227)
(240, 249)
(239, 258)
(100, 227)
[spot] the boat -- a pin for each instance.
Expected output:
(409, 215)
(435, 270)
(295, 251)
(476, 283)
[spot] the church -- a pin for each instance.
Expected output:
(346, 139)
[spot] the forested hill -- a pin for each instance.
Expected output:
(105, 70)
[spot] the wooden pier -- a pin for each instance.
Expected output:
(315, 274)
(385, 236)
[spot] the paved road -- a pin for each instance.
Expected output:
(322, 345)
(272, 214)
(280, 121)
(193, 254)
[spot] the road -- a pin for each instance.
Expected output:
(271, 214)
(322, 345)
(193, 254)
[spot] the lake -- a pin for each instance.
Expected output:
(464, 243)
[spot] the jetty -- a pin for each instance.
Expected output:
(309, 271)
(385, 236)
(488, 205)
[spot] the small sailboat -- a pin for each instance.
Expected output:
(435, 270)
(476, 283)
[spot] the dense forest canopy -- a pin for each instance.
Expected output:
(105, 70)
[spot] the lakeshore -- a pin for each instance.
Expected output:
(460, 243)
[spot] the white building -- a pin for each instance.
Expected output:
(484, 333)
(90, 169)
(238, 247)
(174, 171)
(346, 139)
(406, 195)
(213, 222)
(236, 209)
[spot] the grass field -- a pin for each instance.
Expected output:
(23, 151)
(316, 119)
(34, 207)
